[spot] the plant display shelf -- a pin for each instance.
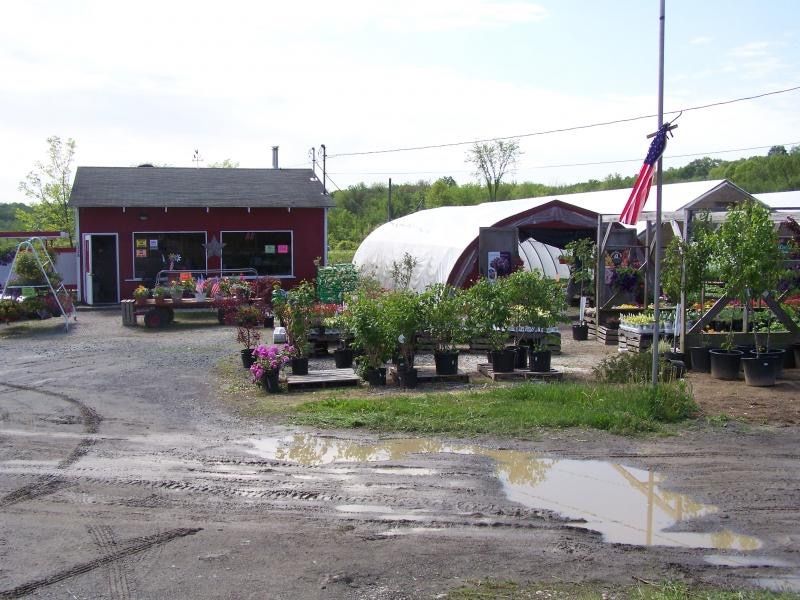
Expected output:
(638, 342)
(429, 375)
(36, 247)
(132, 309)
(520, 374)
(552, 341)
(323, 378)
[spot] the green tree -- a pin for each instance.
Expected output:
(49, 185)
(226, 163)
(492, 160)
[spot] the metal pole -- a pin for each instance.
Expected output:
(659, 182)
(389, 203)
(324, 172)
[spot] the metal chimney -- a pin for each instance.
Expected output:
(275, 157)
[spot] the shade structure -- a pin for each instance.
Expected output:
(445, 240)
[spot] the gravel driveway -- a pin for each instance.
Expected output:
(123, 475)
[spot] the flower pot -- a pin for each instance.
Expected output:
(503, 360)
(247, 358)
(677, 368)
(375, 376)
(699, 359)
(343, 357)
(788, 359)
(540, 360)
(672, 355)
(580, 332)
(270, 382)
(760, 371)
(176, 295)
(725, 364)
(407, 377)
(300, 366)
(446, 363)
(775, 355)
(521, 356)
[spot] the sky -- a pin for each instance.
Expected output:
(151, 82)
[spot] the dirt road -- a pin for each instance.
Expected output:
(123, 476)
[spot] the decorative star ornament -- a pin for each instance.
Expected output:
(214, 247)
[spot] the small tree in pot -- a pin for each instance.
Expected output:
(299, 303)
(580, 256)
(443, 311)
(247, 318)
(404, 315)
(371, 333)
(488, 316)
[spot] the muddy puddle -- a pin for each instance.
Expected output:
(625, 504)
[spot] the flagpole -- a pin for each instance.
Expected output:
(659, 182)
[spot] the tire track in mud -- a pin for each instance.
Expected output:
(132, 547)
(118, 581)
(50, 484)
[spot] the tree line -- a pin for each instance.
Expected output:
(361, 208)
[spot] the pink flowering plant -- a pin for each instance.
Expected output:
(270, 358)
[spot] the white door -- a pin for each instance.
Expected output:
(88, 295)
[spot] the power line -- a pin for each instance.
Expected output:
(565, 129)
(556, 166)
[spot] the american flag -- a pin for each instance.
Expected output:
(641, 188)
(215, 287)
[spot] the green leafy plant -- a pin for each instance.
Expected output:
(488, 311)
(443, 310)
(536, 302)
(367, 320)
(580, 256)
(247, 317)
(298, 315)
(9, 311)
(402, 271)
(28, 272)
(403, 312)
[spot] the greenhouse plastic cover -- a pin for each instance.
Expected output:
(437, 237)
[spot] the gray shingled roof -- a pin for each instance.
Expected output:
(169, 186)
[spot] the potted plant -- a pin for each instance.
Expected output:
(338, 323)
(140, 294)
(160, 293)
(298, 314)
(443, 319)
(246, 318)
(176, 289)
(267, 364)
(403, 313)
(751, 264)
(371, 333)
(580, 256)
(488, 317)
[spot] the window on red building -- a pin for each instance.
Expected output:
(152, 251)
(268, 252)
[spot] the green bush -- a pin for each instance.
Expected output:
(631, 367)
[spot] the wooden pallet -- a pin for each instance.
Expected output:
(323, 378)
(609, 337)
(428, 375)
(520, 374)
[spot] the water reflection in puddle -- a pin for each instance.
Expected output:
(626, 505)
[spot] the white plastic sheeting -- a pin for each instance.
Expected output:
(537, 256)
(437, 237)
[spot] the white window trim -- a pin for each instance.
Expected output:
(291, 245)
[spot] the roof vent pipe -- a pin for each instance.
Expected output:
(274, 157)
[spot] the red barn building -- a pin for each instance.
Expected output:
(129, 221)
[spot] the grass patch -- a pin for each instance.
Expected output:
(495, 590)
(508, 411)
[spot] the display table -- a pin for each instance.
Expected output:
(158, 313)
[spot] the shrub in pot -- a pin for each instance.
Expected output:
(366, 320)
(580, 256)
(247, 318)
(443, 311)
(403, 313)
(297, 316)
(488, 317)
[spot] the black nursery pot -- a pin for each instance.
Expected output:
(760, 371)
(503, 360)
(540, 360)
(247, 358)
(300, 366)
(580, 333)
(699, 359)
(725, 364)
(407, 377)
(376, 376)
(343, 357)
(521, 356)
(446, 363)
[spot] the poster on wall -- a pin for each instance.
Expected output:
(499, 265)
(141, 253)
(154, 244)
(283, 249)
(269, 249)
(141, 243)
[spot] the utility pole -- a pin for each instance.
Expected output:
(312, 154)
(324, 173)
(389, 203)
